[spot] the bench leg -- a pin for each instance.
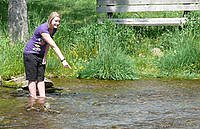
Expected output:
(109, 15)
(185, 13)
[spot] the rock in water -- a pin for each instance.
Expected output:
(24, 83)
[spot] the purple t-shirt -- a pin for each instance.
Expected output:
(36, 44)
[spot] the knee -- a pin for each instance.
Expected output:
(32, 82)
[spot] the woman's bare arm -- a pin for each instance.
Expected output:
(51, 42)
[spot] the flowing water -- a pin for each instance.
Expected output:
(150, 103)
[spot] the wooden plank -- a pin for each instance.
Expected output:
(146, 8)
(136, 2)
(149, 21)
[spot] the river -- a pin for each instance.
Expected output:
(92, 104)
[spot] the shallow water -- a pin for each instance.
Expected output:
(150, 103)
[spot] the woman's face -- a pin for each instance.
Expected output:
(55, 22)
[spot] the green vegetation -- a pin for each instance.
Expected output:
(107, 51)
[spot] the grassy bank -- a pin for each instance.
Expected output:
(107, 51)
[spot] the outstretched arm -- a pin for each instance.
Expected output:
(51, 42)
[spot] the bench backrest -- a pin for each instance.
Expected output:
(146, 5)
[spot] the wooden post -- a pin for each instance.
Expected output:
(186, 12)
(110, 14)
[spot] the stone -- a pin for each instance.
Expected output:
(24, 83)
(157, 52)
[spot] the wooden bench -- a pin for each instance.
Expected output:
(126, 6)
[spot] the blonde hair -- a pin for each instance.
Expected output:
(52, 16)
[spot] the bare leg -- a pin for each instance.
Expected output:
(41, 88)
(31, 101)
(32, 88)
(41, 100)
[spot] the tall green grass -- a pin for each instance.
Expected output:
(111, 61)
(10, 58)
(182, 58)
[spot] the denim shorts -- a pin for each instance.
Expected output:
(34, 69)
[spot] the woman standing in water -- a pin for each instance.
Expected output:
(35, 53)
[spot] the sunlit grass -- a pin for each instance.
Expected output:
(107, 51)
(10, 59)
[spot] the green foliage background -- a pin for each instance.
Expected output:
(107, 51)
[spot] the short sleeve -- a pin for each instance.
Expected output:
(44, 28)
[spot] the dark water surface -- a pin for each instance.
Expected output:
(145, 104)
